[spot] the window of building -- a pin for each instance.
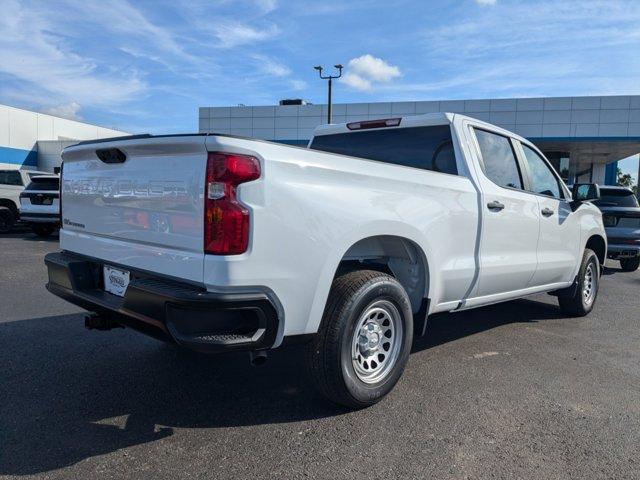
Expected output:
(499, 160)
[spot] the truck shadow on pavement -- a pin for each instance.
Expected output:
(68, 394)
(28, 236)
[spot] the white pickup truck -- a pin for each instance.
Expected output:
(221, 243)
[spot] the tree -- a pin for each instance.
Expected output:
(625, 179)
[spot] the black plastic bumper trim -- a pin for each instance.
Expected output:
(193, 317)
(52, 216)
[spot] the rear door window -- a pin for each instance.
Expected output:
(499, 159)
(10, 177)
(428, 148)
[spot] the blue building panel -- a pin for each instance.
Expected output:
(18, 156)
(611, 174)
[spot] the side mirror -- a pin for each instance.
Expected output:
(583, 192)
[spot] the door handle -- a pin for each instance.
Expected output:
(547, 212)
(495, 206)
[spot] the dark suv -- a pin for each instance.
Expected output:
(621, 217)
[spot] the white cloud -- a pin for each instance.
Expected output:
(512, 59)
(43, 63)
(122, 18)
(232, 34)
(267, 5)
(69, 110)
(299, 85)
(364, 72)
(356, 81)
(486, 2)
(271, 66)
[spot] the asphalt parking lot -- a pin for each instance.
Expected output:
(509, 391)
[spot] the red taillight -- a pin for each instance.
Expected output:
(226, 220)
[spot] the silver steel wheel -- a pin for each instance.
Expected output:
(590, 284)
(376, 341)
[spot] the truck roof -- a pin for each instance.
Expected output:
(439, 118)
(403, 121)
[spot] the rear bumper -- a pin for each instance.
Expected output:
(622, 251)
(203, 321)
(28, 217)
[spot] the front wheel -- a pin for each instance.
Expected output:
(580, 299)
(630, 264)
(364, 340)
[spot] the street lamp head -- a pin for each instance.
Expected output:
(339, 67)
(318, 67)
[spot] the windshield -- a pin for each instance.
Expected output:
(616, 198)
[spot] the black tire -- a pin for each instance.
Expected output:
(630, 264)
(43, 230)
(576, 303)
(330, 355)
(7, 219)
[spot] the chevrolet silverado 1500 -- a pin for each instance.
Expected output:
(221, 243)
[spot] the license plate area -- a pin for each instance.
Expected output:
(116, 280)
(41, 200)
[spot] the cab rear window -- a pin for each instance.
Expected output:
(428, 148)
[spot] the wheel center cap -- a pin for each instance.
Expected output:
(369, 340)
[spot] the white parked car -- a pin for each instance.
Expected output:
(221, 243)
(12, 183)
(40, 204)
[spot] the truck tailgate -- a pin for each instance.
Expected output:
(145, 212)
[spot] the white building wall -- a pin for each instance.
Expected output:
(20, 131)
(537, 118)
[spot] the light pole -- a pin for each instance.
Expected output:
(330, 78)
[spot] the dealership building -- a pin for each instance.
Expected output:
(34, 141)
(584, 137)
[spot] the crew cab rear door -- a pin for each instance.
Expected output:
(510, 217)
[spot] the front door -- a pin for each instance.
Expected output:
(559, 242)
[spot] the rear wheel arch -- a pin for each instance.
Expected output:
(397, 256)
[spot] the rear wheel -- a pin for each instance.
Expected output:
(630, 264)
(7, 219)
(43, 230)
(581, 298)
(364, 340)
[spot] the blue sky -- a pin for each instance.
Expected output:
(146, 66)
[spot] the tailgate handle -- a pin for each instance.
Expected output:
(111, 155)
